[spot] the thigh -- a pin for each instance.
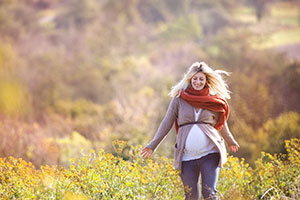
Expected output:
(190, 176)
(209, 175)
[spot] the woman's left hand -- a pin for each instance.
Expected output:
(234, 147)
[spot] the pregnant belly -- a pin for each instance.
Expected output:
(197, 141)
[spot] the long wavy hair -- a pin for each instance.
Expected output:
(214, 80)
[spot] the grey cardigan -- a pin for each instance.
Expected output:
(183, 112)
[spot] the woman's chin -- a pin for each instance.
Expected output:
(198, 88)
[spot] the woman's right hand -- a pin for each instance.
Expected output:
(146, 152)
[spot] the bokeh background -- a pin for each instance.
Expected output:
(79, 74)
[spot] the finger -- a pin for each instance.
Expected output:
(233, 148)
(149, 154)
(145, 150)
(144, 154)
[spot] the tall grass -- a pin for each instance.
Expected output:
(106, 176)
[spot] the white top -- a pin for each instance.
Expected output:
(197, 143)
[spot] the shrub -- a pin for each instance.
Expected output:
(106, 176)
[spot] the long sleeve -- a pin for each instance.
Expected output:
(226, 134)
(165, 125)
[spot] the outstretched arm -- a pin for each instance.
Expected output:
(163, 129)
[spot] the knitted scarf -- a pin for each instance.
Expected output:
(202, 99)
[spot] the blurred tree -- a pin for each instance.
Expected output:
(45, 82)
(17, 19)
(214, 19)
(251, 107)
(291, 76)
(274, 132)
(14, 98)
(122, 10)
(250, 100)
(214, 15)
(232, 50)
(260, 7)
(185, 28)
(8, 59)
(42, 4)
(14, 101)
(77, 14)
(155, 11)
(86, 78)
(247, 139)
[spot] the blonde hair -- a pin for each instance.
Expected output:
(214, 80)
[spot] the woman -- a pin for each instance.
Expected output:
(199, 110)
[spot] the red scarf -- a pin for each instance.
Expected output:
(202, 99)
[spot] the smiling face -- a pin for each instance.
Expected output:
(198, 81)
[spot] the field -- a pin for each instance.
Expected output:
(106, 176)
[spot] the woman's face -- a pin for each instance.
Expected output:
(198, 81)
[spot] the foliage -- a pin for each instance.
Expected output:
(273, 176)
(95, 176)
(105, 176)
(14, 98)
(77, 13)
(287, 125)
(16, 18)
(103, 69)
(252, 100)
(291, 79)
(72, 147)
(184, 28)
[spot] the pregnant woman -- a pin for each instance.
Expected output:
(199, 110)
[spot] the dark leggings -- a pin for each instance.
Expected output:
(208, 167)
